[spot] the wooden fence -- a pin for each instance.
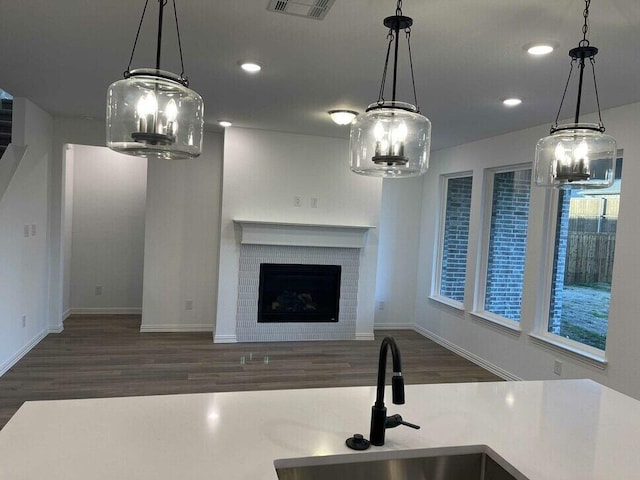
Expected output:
(589, 257)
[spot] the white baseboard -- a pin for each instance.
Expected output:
(502, 373)
(393, 326)
(22, 352)
(56, 329)
(225, 339)
(365, 336)
(104, 311)
(66, 314)
(176, 328)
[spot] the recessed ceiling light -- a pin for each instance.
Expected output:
(512, 102)
(250, 67)
(539, 48)
(224, 123)
(342, 117)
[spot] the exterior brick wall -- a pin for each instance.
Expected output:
(456, 238)
(507, 243)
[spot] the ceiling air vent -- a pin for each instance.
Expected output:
(316, 9)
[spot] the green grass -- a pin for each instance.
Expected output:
(583, 335)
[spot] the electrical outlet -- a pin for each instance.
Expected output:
(33, 229)
(98, 290)
(26, 230)
(297, 201)
(380, 306)
(24, 321)
(557, 367)
(188, 305)
(314, 202)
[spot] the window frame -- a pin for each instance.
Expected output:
(484, 240)
(591, 355)
(540, 333)
(436, 283)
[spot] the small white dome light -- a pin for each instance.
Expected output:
(342, 117)
(540, 49)
(251, 67)
(512, 102)
(224, 123)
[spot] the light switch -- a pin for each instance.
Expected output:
(26, 230)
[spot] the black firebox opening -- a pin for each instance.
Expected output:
(298, 293)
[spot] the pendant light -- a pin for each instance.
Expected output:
(153, 113)
(391, 139)
(577, 155)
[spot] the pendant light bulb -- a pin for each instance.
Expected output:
(378, 131)
(171, 111)
(400, 133)
(147, 105)
(581, 152)
(561, 155)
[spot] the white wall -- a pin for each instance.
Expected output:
(517, 355)
(108, 209)
(23, 259)
(397, 252)
(67, 227)
(263, 172)
(181, 240)
(66, 130)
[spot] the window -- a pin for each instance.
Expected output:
(499, 295)
(454, 237)
(584, 247)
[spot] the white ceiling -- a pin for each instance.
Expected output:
(468, 56)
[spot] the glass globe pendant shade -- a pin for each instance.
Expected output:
(152, 113)
(575, 156)
(391, 139)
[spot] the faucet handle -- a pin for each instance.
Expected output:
(397, 388)
(395, 420)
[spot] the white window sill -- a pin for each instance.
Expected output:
(448, 302)
(502, 323)
(590, 356)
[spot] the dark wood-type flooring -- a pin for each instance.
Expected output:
(107, 356)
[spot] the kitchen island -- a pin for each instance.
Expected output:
(564, 429)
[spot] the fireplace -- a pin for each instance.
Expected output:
(338, 247)
(298, 293)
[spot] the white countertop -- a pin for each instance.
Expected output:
(565, 429)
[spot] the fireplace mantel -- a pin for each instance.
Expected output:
(255, 232)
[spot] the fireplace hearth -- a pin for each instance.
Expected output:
(298, 293)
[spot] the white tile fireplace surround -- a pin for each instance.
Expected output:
(269, 242)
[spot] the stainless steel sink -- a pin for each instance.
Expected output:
(459, 463)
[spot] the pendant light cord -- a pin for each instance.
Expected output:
(127, 73)
(413, 80)
(595, 85)
(391, 36)
(585, 27)
(135, 42)
(175, 13)
(584, 51)
(564, 94)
